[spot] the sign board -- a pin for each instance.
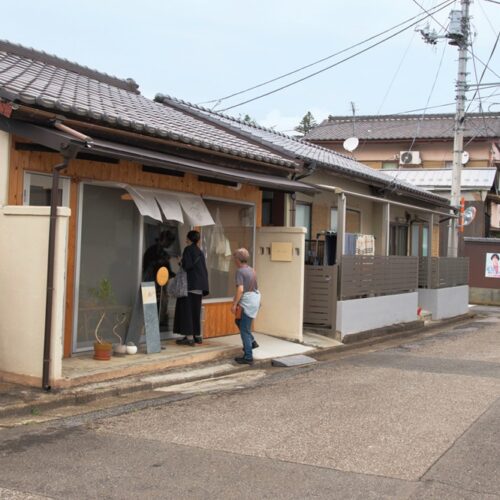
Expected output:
(492, 265)
(145, 318)
(281, 252)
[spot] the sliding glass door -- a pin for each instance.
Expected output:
(108, 273)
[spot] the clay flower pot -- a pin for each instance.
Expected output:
(102, 351)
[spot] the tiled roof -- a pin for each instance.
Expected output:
(440, 179)
(393, 127)
(44, 81)
(300, 149)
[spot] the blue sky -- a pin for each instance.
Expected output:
(199, 50)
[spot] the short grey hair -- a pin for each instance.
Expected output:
(242, 255)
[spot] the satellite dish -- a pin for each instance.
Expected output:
(469, 215)
(465, 157)
(351, 144)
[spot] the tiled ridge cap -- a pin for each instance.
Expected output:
(165, 98)
(397, 117)
(128, 84)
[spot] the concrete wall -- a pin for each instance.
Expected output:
(281, 284)
(486, 296)
(444, 302)
(23, 277)
(360, 315)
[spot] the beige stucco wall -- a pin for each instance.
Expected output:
(281, 284)
(432, 153)
(23, 275)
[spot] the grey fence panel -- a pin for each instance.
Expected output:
(320, 295)
(363, 276)
(446, 272)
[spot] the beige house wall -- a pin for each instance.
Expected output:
(433, 154)
(281, 283)
(23, 274)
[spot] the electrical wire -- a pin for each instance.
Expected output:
(480, 3)
(319, 61)
(484, 69)
(396, 73)
(429, 96)
(352, 56)
(468, 50)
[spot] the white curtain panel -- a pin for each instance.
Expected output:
(196, 211)
(145, 202)
(170, 206)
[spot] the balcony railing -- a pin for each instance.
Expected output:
(368, 276)
(445, 272)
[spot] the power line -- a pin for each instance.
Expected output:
(484, 69)
(430, 96)
(217, 101)
(474, 56)
(480, 3)
(334, 64)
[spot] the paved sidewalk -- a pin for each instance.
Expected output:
(30, 402)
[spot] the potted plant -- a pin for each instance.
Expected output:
(104, 297)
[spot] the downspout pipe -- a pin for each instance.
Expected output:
(69, 151)
(54, 198)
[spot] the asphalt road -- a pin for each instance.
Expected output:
(415, 420)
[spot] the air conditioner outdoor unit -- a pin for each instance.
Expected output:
(409, 158)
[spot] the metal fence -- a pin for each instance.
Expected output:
(445, 272)
(315, 253)
(368, 276)
(320, 295)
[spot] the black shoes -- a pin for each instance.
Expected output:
(244, 361)
(185, 341)
(198, 340)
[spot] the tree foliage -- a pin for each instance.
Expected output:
(306, 124)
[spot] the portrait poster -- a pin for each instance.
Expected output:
(492, 265)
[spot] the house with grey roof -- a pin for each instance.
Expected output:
(118, 170)
(419, 148)
(362, 221)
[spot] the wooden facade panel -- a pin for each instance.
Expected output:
(218, 319)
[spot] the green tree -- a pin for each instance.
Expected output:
(248, 119)
(306, 124)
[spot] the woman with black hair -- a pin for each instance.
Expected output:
(187, 319)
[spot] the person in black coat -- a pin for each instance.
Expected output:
(187, 320)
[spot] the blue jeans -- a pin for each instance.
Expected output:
(245, 326)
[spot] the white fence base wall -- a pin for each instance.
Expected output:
(361, 315)
(444, 302)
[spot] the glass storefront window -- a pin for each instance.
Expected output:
(38, 189)
(233, 229)
(109, 252)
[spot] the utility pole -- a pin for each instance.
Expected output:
(458, 33)
(458, 142)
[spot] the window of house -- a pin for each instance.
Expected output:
(267, 208)
(398, 242)
(303, 217)
(234, 228)
(333, 220)
(389, 165)
(352, 220)
(38, 189)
